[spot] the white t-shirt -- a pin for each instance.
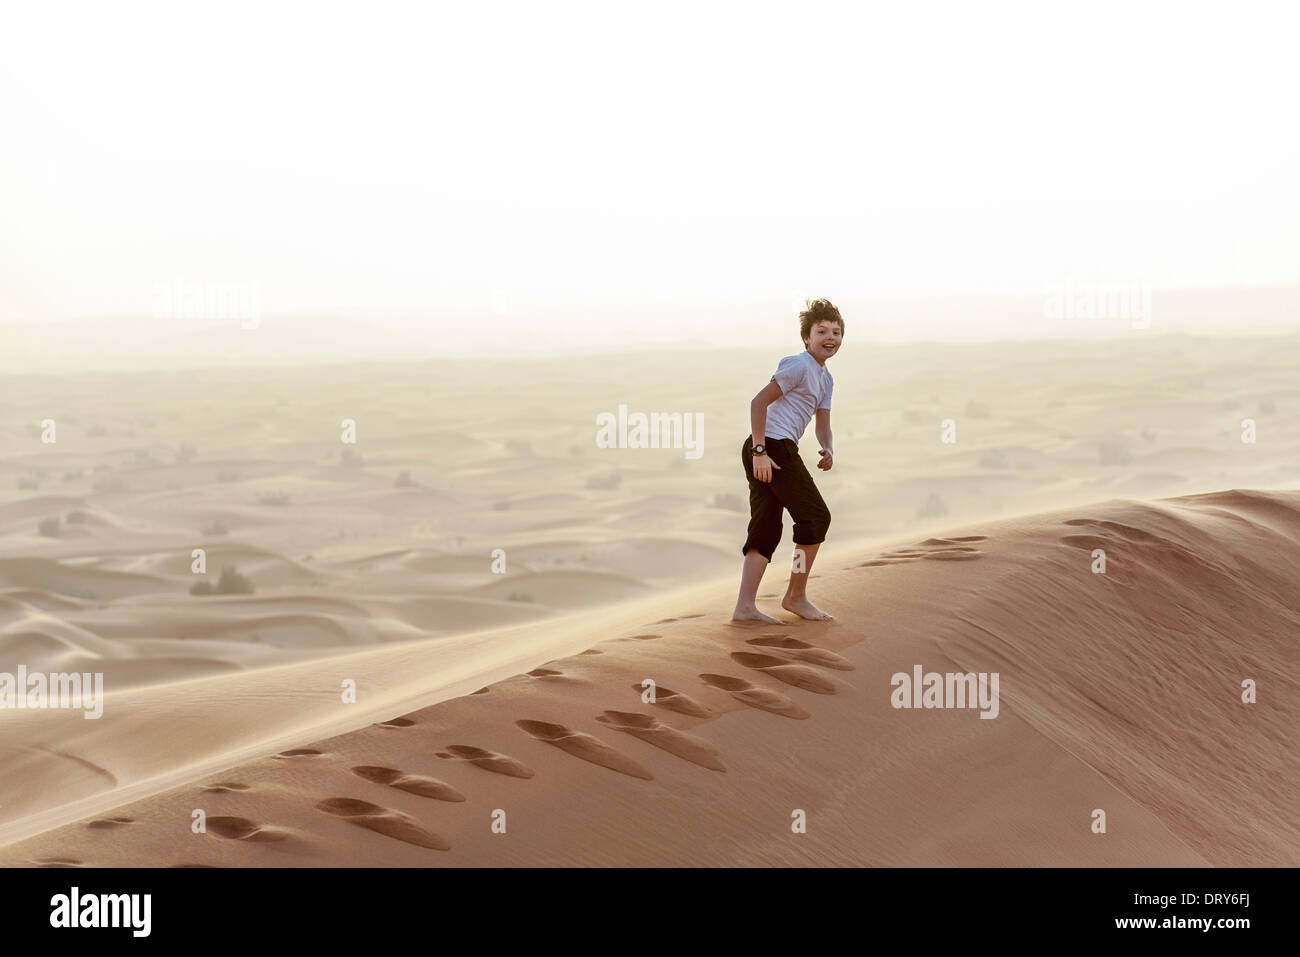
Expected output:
(805, 387)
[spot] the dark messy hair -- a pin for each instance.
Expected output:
(819, 310)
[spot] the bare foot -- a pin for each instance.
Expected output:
(804, 609)
(751, 613)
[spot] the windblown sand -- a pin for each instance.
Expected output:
(1119, 691)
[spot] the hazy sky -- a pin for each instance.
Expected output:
(378, 158)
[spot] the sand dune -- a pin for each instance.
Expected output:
(379, 563)
(1119, 691)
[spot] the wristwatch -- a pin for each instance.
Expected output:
(760, 449)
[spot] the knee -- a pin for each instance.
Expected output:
(812, 530)
(768, 537)
(764, 536)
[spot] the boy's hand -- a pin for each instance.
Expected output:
(763, 466)
(827, 460)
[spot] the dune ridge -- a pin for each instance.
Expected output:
(1119, 691)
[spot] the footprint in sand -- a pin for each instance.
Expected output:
(684, 617)
(954, 555)
(653, 731)
(640, 637)
(804, 651)
(107, 823)
(482, 691)
(762, 698)
(1087, 542)
(675, 701)
(1116, 573)
(584, 746)
(782, 669)
(943, 549)
(664, 621)
(412, 783)
(1127, 532)
(591, 651)
(298, 753)
(225, 787)
(554, 676)
(383, 820)
(488, 760)
(395, 723)
(242, 829)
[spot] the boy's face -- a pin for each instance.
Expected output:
(824, 339)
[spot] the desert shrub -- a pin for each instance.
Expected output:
(994, 459)
(50, 526)
(932, 508)
(233, 583)
(1112, 452)
(230, 583)
(605, 483)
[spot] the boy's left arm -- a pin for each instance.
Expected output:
(824, 438)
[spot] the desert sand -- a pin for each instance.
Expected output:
(518, 694)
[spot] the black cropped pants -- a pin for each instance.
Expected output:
(792, 489)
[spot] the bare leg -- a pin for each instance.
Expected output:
(796, 596)
(750, 577)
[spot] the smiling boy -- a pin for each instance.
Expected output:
(777, 477)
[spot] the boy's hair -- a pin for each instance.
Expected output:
(819, 310)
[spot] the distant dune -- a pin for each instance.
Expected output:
(1119, 692)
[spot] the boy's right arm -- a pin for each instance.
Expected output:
(758, 411)
(763, 464)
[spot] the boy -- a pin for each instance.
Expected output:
(777, 478)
